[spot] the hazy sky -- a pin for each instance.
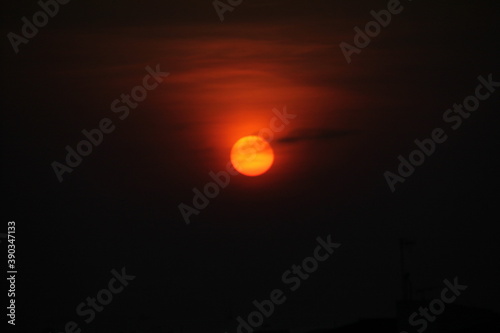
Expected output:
(120, 207)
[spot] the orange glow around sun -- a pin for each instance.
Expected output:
(252, 155)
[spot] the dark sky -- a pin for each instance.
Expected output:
(119, 208)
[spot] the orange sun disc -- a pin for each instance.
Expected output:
(252, 155)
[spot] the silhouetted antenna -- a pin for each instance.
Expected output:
(405, 247)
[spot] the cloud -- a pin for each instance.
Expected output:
(314, 134)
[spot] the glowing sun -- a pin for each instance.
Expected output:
(252, 155)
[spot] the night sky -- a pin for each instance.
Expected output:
(348, 123)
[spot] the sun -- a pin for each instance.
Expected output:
(252, 155)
